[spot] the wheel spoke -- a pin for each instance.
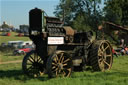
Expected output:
(29, 64)
(30, 60)
(106, 63)
(65, 64)
(56, 59)
(54, 70)
(100, 52)
(66, 60)
(106, 48)
(69, 71)
(64, 73)
(39, 60)
(54, 64)
(61, 57)
(53, 67)
(36, 57)
(59, 70)
(100, 60)
(102, 47)
(56, 73)
(30, 68)
(109, 55)
(102, 65)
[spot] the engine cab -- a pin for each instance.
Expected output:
(48, 33)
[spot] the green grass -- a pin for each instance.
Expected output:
(5, 39)
(11, 74)
(10, 57)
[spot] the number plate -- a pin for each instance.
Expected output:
(55, 40)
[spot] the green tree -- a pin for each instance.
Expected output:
(5, 26)
(116, 11)
(64, 11)
(80, 14)
(79, 24)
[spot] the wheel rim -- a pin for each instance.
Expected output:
(34, 65)
(105, 56)
(61, 65)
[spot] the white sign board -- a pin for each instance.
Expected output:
(55, 40)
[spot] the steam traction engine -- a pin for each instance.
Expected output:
(61, 50)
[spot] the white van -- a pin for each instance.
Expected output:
(15, 44)
(19, 44)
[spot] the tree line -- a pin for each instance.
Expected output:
(88, 14)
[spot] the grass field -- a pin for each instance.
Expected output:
(11, 74)
(5, 39)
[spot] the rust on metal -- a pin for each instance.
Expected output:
(69, 30)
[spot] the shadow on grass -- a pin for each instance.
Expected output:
(19, 75)
(101, 74)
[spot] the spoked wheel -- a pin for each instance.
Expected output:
(33, 65)
(101, 55)
(59, 65)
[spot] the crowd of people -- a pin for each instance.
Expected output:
(122, 49)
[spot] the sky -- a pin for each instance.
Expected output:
(16, 12)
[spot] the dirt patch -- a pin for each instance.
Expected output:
(17, 61)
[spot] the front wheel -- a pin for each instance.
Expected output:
(33, 65)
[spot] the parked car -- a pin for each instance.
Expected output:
(26, 44)
(20, 34)
(3, 44)
(22, 51)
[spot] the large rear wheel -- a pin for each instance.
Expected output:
(101, 56)
(33, 65)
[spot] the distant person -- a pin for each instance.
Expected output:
(126, 50)
(114, 53)
(123, 51)
(122, 43)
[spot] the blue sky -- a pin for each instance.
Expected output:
(15, 12)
